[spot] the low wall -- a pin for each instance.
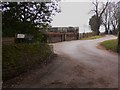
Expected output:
(85, 35)
(52, 39)
(70, 37)
(59, 37)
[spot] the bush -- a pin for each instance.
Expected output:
(18, 58)
(40, 38)
(34, 37)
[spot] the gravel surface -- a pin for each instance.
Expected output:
(78, 64)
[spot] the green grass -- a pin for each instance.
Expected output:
(110, 45)
(18, 58)
(92, 37)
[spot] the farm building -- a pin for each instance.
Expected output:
(59, 34)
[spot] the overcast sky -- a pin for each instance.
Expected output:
(74, 13)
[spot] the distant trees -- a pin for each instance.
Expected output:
(25, 17)
(105, 14)
(114, 19)
(110, 17)
(106, 18)
(95, 21)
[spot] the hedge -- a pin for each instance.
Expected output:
(18, 58)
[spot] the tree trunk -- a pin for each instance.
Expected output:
(114, 29)
(98, 32)
(106, 30)
(98, 23)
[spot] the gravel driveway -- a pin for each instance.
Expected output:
(78, 64)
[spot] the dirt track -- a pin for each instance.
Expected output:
(79, 64)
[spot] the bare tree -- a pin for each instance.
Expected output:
(106, 18)
(114, 18)
(110, 17)
(98, 13)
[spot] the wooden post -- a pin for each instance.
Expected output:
(77, 36)
(64, 37)
(61, 37)
(83, 35)
(118, 48)
(119, 41)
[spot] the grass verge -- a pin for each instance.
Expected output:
(18, 58)
(110, 45)
(92, 37)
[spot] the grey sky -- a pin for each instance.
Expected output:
(73, 14)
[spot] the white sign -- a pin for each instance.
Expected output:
(20, 35)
